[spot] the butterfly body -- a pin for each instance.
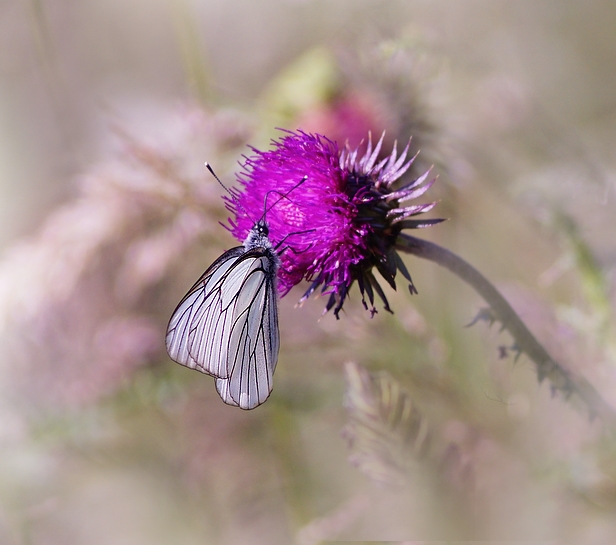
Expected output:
(227, 324)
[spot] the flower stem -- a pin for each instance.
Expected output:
(560, 378)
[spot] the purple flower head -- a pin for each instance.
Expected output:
(336, 225)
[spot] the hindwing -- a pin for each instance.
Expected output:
(227, 325)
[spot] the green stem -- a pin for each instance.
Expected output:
(561, 379)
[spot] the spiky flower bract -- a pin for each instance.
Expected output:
(334, 213)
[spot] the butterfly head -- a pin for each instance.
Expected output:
(258, 236)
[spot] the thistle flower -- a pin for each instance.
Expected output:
(334, 213)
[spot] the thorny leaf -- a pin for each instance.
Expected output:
(484, 315)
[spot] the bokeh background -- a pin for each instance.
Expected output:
(408, 427)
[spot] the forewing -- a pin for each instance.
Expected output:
(199, 330)
(254, 339)
(222, 387)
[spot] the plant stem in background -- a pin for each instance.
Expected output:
(560, 379)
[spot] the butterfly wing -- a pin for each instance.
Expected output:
(199, 329)
(227, 326)
(254, 339)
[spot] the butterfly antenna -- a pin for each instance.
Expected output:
(207, 165)
(266, 208)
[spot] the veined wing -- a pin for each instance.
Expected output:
(254, 339)
(227, 326)
(199, 329)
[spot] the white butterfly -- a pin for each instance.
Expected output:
(227, 324)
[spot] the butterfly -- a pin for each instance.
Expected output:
(227, 324)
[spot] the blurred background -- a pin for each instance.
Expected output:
(408, 427)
